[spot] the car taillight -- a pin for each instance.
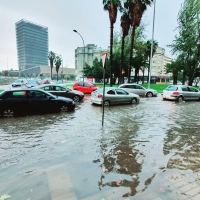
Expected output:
(100, 95)
(175, 93)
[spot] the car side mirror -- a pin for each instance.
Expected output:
(50, 97)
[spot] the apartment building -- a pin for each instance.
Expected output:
(87, 55)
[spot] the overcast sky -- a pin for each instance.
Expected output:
(86, 16)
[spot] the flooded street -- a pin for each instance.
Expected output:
(146, 151)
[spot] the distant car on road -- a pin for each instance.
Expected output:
(19, 82)
(180, 93)
(32, 101)
(113, 96)
(59, 90)
(32, 83)
(138, 89)
(85, 87)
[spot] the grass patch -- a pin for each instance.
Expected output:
(158, 87)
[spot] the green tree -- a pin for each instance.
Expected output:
(125, 24)
(136, 9)
(51, 57)
(174, 67)
(112, 6)
(186, 42)
(57, 62)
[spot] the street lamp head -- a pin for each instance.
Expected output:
(75, 31)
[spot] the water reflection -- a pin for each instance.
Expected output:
(133, 155)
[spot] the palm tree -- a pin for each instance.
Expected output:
(125, 24)
(112, 6)
(51, 57)
(136, 10)
(148, 51)
(57, 62)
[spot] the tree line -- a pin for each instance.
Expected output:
(186, 45)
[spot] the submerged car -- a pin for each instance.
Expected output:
(180, 93)
(113, 96)
(138, 89)
(85, 87)
(59, 90)
(32, 101)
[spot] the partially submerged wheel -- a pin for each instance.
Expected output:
(149, 94)
(133, 100)
(106, 103)
(63, 108)
(8, 113)
(76, 98)
(180, 99)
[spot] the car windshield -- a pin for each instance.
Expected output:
(172, 88)
(18, 81)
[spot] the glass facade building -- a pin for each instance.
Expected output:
(32, 46)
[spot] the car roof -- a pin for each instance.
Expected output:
(129, 84)
(23, 89)
(50, 84)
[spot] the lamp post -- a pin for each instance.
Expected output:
(83, 51)
(152, 44)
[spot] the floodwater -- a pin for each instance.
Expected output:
(146, 151)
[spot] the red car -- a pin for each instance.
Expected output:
(84, 87)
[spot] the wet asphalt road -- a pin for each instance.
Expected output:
(150, 150)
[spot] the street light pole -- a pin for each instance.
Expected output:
(152, 44)
(83, 51)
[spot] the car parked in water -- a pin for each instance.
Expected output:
(113, 96)
(59, 90)
(85, 87)
(32, 101)
(180, 93)
(138, 89)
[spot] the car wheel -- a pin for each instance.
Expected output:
(76, 98)
(180, 99)
(149, 94)
(106, 103)
(8, 113)
(63, 108)
(133, 100)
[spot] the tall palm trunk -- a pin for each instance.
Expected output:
(122, 60)
(111, 51)
(131, 52)
(51, 63)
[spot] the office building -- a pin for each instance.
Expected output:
(32, 46)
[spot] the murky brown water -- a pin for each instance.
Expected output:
(145, 151)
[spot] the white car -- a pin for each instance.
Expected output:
(180, 93)
(138, 89)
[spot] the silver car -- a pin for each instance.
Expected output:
(113, 96)
(138, 89)
(180, 93)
